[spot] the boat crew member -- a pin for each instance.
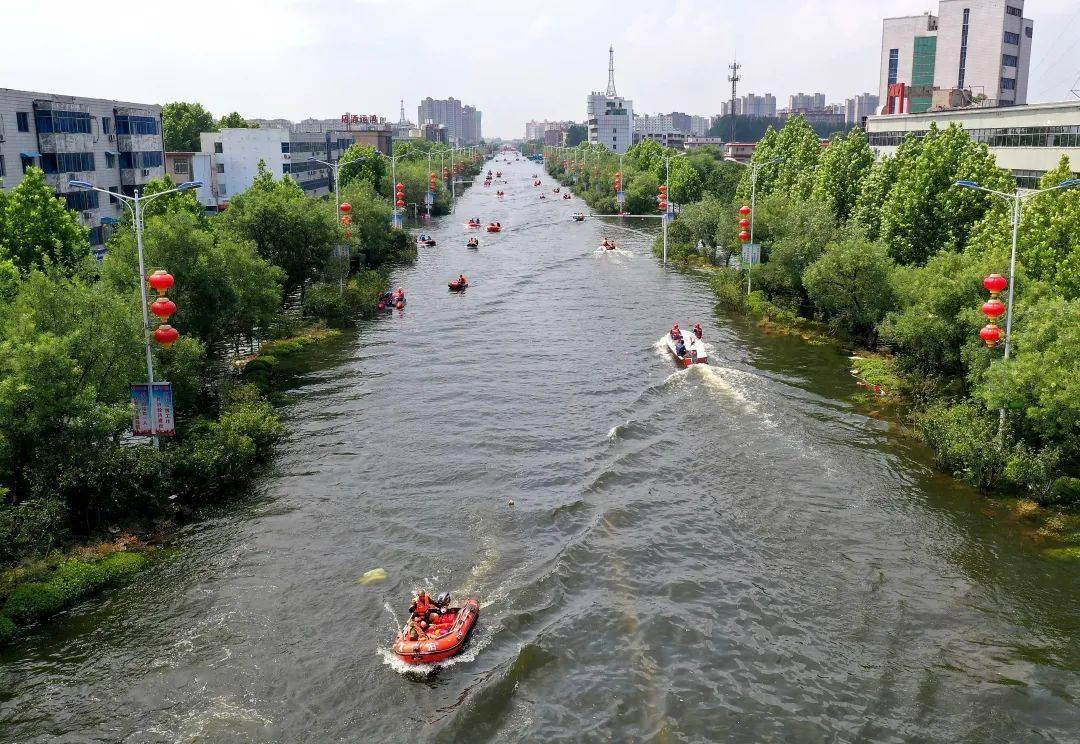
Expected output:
(680, 347)
(697, 330)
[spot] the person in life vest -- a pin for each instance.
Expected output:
(462, 281)
(680, 347)
(676, 334)
(697, 330)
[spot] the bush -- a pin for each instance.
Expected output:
(71, 581)
(849, 285)
(729, 285)
(7, 629)
(30, 529)
(762, 308)
(962, 436)
(325, 301)
(364, 290)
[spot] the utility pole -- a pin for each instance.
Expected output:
(734, 79)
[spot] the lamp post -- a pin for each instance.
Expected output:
(1017, 198)
(755, 169)
(665, 201)
(334, 170)
(135, 204)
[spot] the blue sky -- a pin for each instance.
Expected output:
(514, 60)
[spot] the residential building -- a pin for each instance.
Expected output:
(759, 106)
(858, 108)
(668, 138)
(609, 116)
(555, 137)
(806, 102)
(699, 125)
(435, 133)
(462, 123)
(692, 143)
(471, 121)
(115, 145)
(1027, 140)
(680, 122)
(235, 154)
(741, 151)
(832, 116)
(731, 108)
(535, 130)
(974, 51)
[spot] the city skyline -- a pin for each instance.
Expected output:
(284, 51)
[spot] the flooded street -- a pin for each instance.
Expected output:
(733, 552)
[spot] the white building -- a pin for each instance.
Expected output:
(806, 102)
(699, 126)
(1027, 140)
(235, 155)
(859, 107)
(978, 48)
(609, 116)
(115, 145)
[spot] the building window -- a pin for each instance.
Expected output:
(180, 166)
(80, 200)
(222, 190)
(1008, 83)
(284, 147)
(22, 121)
(1011, 38)
(150, 159)
(67, 162)
(894, 65)
(106, 125)
(963, 48)
(136, 125)
(2, 171)
(65, 122)
(218, 148)
(1009, 60)
(110, 160)
(27, 162)
(220, 167)
(1010, 10)
(97, 235)
(1027, 32)
(114, 190)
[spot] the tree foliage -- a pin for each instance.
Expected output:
(844, 167)
(849, 285)
(38, 228)
(181, 124)
(234, 121)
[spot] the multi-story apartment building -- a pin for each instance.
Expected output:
(806, 102)
(980, 49)
(463, 123)
(751, 105)
(858, 108)
(610, 121)
(699, 125)
(115, 145)
(235, 154)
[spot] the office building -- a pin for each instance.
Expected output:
(609, 116)
(115, 145)
(1027, 140)
(858, 108)
(974, 52)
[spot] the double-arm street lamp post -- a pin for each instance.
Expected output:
(755, 169)
(1017, 198)
(135, 204)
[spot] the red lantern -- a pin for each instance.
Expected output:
(996, 283)
(400, 186)
(348, 233)
(400, 202)
(991, 334)
(618, 174)
(663, 189)
(744, 224)
(163, 307)
(166, 335)
(993, 308)
(160, 280)
(744, 210)
(345, 207)
(346, 219)
(744, 236)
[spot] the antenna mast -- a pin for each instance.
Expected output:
(402, 120)
(734, 79)
(611, 73)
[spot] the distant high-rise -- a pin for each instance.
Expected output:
(806, 102)
(858, 108)
(462, 122)
(972, 51)
(610, 118)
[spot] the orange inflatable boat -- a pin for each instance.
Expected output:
(443, 640)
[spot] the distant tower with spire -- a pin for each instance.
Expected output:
(609, 117)
(402, 119)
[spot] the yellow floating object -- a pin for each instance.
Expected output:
(375, 574)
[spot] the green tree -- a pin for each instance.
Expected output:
(685, 183)
(1049, 236)
(641, 193)
(291, 229)
(365, 163)
(844, 167)
(849, 285)
(181, 124)
(878, 184)
(926, 212)
(234, 121)
(576, 134)
(647, 155)
(39, 229)
(765, 157)
(800, 147)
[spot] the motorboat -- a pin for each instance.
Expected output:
(442, 640)
(695, 352)
(608, 245)
(473, 224)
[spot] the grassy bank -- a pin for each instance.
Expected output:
(32, 593)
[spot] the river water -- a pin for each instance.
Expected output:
(728, 553)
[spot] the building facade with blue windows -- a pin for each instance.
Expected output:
(115, 145)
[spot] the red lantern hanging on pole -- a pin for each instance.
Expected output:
(166, 335)
(996, 284)
(991, 334)
(163, 307)
(662, 199)
(993, 309)
(744, 210)
(160, 280)
(744, 236)
(345, 207)
(399, 196)
(744, 224)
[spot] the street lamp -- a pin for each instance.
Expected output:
(667, 190)
(135, 204)
(334, 167)
(755, 169)
(1017, 198)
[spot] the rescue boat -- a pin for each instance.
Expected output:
(695, 349)
(457, 285)
(494, 228)
(579, 217)
(474, 243)
(447, 640)
(425, 242)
